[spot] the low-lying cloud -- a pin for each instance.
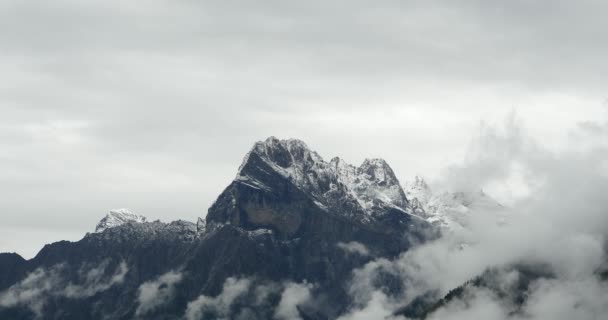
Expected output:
(294, 294)
(219, 305)
(95, 281)
(354, 247)
(157, 292)
(43, 284)
(560, 222)
(244, 298)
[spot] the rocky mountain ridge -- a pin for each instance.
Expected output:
(335, 185)
(288, 220)
(362, 193)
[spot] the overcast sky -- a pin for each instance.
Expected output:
(111, 104)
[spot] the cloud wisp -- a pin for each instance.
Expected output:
(157, 292)
(244, 298)
(43, 284)
(354, 247)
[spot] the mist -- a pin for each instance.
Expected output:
(557, 219)
(43, 284)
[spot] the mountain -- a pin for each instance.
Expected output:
(285, 186)
(289, 227)
(450, 211)
(118, 217)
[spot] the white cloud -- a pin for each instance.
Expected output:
(377, 307)
(561, 224)
(32, 290)
(219, 305)
(480, 304)
(354, 247)
(152, 294)
(45, 283)
(95, 281)
(243, 298)
(293, 295)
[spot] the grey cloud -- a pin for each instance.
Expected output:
(480, 304)
(560, 223)
(547, 299)
(245, 298)
(111, 104)
(378, 306)
(354, 247)
(574, 299)
(152, 107)
(45, 283)
(152, 294)
(220, 305)
(490, 157)
(413, 35)
(294, 294)
(32, 290)
(94, 280)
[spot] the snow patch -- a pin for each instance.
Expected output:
(370, 187)
(449, 210)
(118, 217)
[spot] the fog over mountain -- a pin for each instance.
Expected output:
(303, 160)
(297, 237)
(559, 227)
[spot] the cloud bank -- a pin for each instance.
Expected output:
(559, 224)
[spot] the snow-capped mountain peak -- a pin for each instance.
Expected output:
(378, 170)
(418, 189)
(284, 153)
(118, 217)
(448, 209)
(369, 187)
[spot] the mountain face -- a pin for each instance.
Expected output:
(276, 174)
(289, 225)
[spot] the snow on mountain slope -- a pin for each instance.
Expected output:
(418, 194)
(369, 188)
(449, 210)
(118, 217)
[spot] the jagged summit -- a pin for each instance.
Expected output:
(419, 189)
(118, 217)
(366, 189)
(288, 217)
(282, 153)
